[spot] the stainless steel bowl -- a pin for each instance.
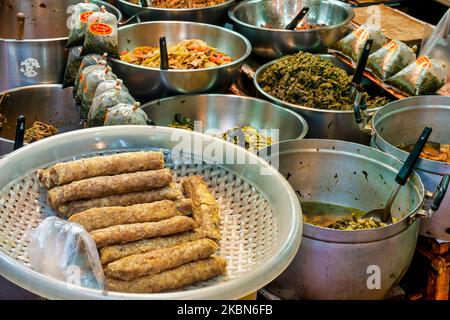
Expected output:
(40, 57)
(250, 17)
(213, 15)
(47, 103)
(219, 113)
(152, 83)
(323, 124)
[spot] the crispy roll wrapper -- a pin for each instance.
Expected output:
(106, 186)
(100, 218)
(154, 262)
(138, 231)
(172, 279)
(66, 172)
(112, 253)
(205, 208)
(184, 206)
(170, 192)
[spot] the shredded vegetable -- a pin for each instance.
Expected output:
(39, 131)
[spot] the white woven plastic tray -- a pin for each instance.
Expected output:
(260, 214)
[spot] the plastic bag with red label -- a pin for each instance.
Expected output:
(88, 60)
(100, 65)
(78, 22)
(352, 44)
(101, 34)
(390, 59)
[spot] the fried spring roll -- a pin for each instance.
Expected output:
(138, 231)
(172, 279)
(171, 192)
(106, 186)
(184, 206)
(66, 172)
(112, 253)
(205, 208)
(99, 218)
(156, 261)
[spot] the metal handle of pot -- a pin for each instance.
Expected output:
(20, 18)
(440, 192)
(133, 17)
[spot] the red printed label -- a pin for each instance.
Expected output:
(391, 46)
(85, 16)
(100, 29)
(361, 34)
(424, 62)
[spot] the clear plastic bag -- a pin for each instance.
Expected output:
(101, 65)
(126, 114)
(393, 57)
(93, 79)
(103, 102)
(72, 66)
(78, 22)
(65, 251)
(101, 34)
(88, 60)
(108, 85)
(352, 44)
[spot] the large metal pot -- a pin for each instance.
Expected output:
(323, 124)
(219, 113)
(152, 83)
(213, 15)
(40, 56)
(401, 122)
(335, 264)
(250, 17)
(46, 103)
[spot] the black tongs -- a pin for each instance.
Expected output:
(299, 17)
(164, 65)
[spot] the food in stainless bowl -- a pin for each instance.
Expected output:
(39, 131)
(180, 4)
(303, 26)
(188, 54)
(431, 151)
(311, 81)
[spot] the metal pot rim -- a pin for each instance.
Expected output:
(291, 105)
(126, 3)
(232, 15)
(239, 61)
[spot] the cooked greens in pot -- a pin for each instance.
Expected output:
(311, 81)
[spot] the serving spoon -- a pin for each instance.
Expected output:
(299, 17)
(402, 177)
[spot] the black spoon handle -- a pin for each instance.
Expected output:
(358, 75)
(411, 161)
(164, 65)
(294, 23)
(20, 133)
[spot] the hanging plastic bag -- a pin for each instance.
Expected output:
(101, 65)
(88, 60)
(101, 34)
(72, 66)
(352, 44)
(65, 251)
(126, 114)
(390, 59)
(93, 79)
(78, 22)
(109, 85)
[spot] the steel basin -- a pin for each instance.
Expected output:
(335, 264)
(213, 15)
(151, 83)
(402, 122)
(249, 16)
(40, 57)
(46, 103)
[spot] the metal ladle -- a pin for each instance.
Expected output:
(402, 177)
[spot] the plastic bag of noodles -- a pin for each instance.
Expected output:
(103, 102)
(78, 22)
(390, 59)
(101, 34)
(88, 60)
(72, 66)
(109, 85)
(93, 79)
(100, 65)
(126, 114)
(352, 44)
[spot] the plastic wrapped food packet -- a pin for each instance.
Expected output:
(100, 65)
(72, 66)
(352, 45)
(125, 114)
(78, 22)
(88, 60)
(102, 103)
(101, 34)
(390, 59)
(65, 251)
(108, 85)
(93, 79)
(422, 77)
